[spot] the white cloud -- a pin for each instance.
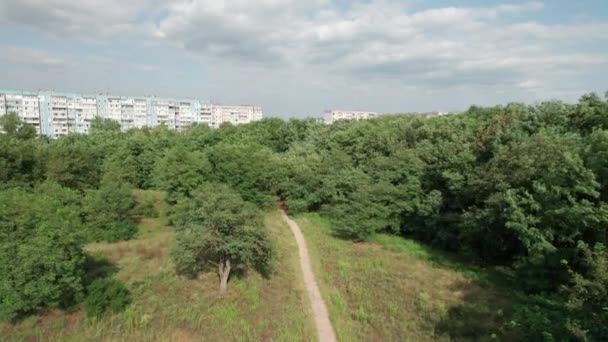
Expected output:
(327, 44)
(441, 46)
(32, 57)
(81, 17)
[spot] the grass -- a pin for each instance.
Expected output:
(394, 289)
(167, 307)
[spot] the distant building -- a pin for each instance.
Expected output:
(235, 114)
(56, 114)
(433, 114)
(331, 116)
(25, 104)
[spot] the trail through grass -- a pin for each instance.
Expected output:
(394, 289)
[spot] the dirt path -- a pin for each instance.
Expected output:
(319, 311)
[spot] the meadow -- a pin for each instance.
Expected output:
(395, 289)
(167, 307)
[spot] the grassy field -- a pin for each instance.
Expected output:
(394, 289)
(170, 308)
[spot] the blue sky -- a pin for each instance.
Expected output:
(297, 58)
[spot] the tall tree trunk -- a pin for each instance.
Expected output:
(225, 267)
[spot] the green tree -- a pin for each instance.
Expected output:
(41, 257)
(108, 211)
(75, 162)
(179, 172)
(250, 169)
(12, 125)
(222, 231)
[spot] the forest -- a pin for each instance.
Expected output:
(519, 188)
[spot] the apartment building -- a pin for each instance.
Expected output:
(59, 116)
(164, 113)
(25, 104)
(55, 114)
(81, 112)
(333, 115)
(141, 113)
(204, 114)
(235, 114)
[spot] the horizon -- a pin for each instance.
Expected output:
(299, 59)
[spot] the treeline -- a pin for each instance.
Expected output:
(524, 187)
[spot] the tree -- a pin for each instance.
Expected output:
(223, 231)
(179, 172)
(133, 160)
(12, 125)
(108, 211)
(42, 263)
(250, 169)
(100, 125)
(75, 162)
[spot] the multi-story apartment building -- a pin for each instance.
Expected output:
(56, 114)
(205, 115)
(140, 113)
(164, 113)
(332, 115)
(234, 114)
(24, 103)
(59, 116)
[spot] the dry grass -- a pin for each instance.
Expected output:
(397, 290)
(167, 307)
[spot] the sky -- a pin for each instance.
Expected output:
(297, 58)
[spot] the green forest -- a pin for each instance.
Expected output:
(521, 190)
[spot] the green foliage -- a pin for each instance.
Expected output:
(106, 293)
(250, 169)
(108, 211)
(41, 258)
(146, 209)
(220, 227)
(520, 186)
(12, 125)
(74, 162)
(179, 172)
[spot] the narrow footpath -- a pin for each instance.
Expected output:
(319, 310)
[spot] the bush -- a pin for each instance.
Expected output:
(113, 231)
(106, 293)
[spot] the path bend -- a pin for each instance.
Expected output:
(319, 310)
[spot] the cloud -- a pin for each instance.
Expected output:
(35, 58)
(82, 17)
(337, 46)
(437, 47)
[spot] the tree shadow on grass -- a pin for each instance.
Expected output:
(97, 267)
(482, 315)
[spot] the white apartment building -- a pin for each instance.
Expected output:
(204, 115)
(184, 114)
(140, 113)
(25, 105)
(234, 114)
(81, 112)
(57, 114)
(127, 113)
(165, 113)
(114, 109)
(333, 115)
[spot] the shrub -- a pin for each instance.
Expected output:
(113, 231)
(106, 293)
